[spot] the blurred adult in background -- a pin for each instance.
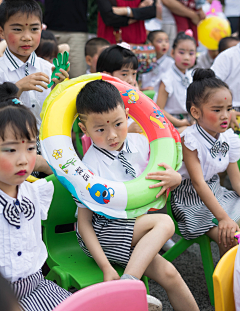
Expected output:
(232, 11)
(123, 20)
(68, 21)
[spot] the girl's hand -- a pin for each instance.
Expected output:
(226, 230)
(63, 75)
(110, 274)
(169, 178)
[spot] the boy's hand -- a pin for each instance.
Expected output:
(30, 82)
(110, 274)
(169, 178)
(63, 75)
(234, 121)
(226, 230)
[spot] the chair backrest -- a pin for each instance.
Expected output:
(223, 282)
(86, 143)
(120, 295)
(149, 93)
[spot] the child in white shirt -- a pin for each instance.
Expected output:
(171, 96)
(133, 243)
(22, 207)
(209, 148)
(159, 39)
(21, 28)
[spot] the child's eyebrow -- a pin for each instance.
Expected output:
(21, 25)
(98, 125)
(125, 70)
(16, 142)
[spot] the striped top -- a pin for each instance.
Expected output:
(196, 138)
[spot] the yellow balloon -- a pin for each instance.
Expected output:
(211, 30)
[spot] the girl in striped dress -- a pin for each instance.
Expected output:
(22, 206)
(209, 148)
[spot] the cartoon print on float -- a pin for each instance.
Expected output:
(133, 96)
(69, 162)
(100, 193)
(155, 118)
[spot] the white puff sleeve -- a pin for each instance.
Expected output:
(234, 146)
(168, 82)
(44, 191)
(192, 143)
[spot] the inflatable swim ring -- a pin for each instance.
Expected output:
(109, 198)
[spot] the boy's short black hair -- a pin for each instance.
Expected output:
(152, 34)
(10, 7)
(92, 45)
(114, 58)
(19, 117)
(223, 43)
(97, 97)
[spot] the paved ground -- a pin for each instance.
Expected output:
(189, 264)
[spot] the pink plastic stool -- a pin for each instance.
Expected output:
(120, 295)
(86, 143)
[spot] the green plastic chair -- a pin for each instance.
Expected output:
(149, 93)
(183, 244)
(69, 265)
(77, 131)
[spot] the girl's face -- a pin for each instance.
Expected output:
(184, 55)
(214, 115)
(17, 160)
(126, 74)
(161, 44)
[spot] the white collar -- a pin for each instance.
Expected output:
(161, 59)
(208, 139)
(109, 156)
(14, 62)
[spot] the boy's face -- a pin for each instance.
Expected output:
(92, 61)
(161, 44)
(108, 130)
(22, 34)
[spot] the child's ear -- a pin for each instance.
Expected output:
(108, 73)
(127, 112)
(2, 33)
(83, 128)
(195, 112)
(88, 59)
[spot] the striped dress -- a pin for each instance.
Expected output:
(193, 217)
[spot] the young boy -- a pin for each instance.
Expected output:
(21, 27)
(93, 49)
(160, 41)
(117, 155)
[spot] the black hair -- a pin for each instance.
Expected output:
(204, 84)
(92, 45)
(10, 7)
(114, 58)
(152, 34)
(180, 37)
(19, 117)
(223, 43)
(48, 46)
(8, 301)
(97, 97)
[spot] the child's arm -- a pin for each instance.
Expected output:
(226, 226)
(161, 102)
(234, 176)
(90, 239)
(169, 179)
